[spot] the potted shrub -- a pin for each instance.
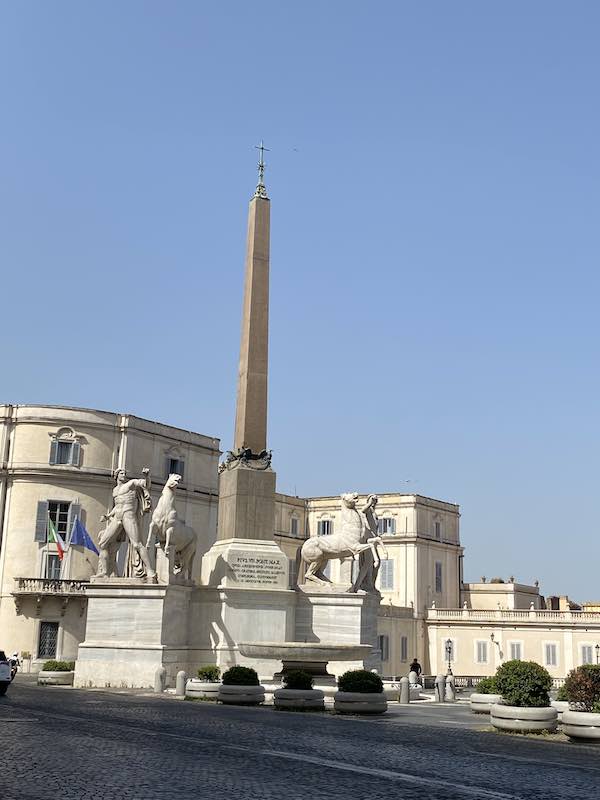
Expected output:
(360, 692)
(484, 696)
(525, 707)
(582, 688)
(57, 673)
(240, 686)
(206, 685)
(298, 692)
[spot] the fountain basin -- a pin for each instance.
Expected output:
(311, 657)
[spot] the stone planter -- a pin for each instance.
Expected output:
(482, 703)
(48, 678)
(299, 698)
(582, 725)
(523, 720)
(360, 702)
(241, 695)
(561, 706)
(203, 690)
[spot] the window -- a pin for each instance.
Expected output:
(62, 515)
(294, 526)
(48, 639)
(482, 652)
(386, 572)
(515, 651)
(384, 647)
(404, 648)
(551, 658)
(65, 451)
(386, 526)
(437, 529)
(53, 566)
(324, 527)
(587, 654)
(438, 577)
(175, 466)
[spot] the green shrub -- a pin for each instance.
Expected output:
(58, 666)
(240, 676)
(582, 686)
(486, 686)
(360, 680)
(596, 707)
(523, 683)
(297, 679)
(209, 673)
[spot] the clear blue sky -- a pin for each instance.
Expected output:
(435, 182)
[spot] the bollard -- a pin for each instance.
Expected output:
(160, 677)
(450, 692)
(180, 682)
(404, 691)
(440, 683)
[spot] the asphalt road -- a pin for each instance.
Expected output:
(96, 745)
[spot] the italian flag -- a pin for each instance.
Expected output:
(55, 537)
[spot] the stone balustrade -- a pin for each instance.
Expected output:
(52, 586)
(518, 615)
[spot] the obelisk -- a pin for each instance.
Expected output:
(246, 549)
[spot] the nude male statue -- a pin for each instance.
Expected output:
(131, 501)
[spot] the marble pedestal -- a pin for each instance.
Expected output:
(132, 629)
(331, 614)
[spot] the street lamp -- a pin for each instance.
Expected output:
(598, 654)
(449, 655)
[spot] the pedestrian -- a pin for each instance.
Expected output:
(415, 667)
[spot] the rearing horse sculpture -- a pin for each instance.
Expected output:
(353, 539)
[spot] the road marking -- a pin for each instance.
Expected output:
(405, 777)
(560, 765)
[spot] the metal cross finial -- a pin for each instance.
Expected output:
(261, 190)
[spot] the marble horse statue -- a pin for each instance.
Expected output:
(176, 539)
(355, 537)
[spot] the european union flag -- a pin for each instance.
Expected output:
(80, 536)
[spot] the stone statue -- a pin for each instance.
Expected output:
(131, 501)
(354, 538)
(176, 539)
(368, 559)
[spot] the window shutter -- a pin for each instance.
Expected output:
(53, 451)
(181, 467)
(41, 521)
(75, 454)
(167, 467)
(392, 525)
(74, 511)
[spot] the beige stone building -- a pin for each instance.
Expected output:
(59, 462)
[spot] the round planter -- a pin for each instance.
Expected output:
(203, 690)
(582, 725)
(299, 698)
(523, 720)
(48, 678)
(561, 706)
(360, 702)
(414, 692)
(482, 703)
(241, 695)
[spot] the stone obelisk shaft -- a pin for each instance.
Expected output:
(251, 412)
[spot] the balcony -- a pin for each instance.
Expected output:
(43, 588)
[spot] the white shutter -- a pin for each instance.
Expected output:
(41, 521)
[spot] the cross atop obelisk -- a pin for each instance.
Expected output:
(251, 411)
(261, 189)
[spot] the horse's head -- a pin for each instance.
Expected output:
(349, 499)
(173, 481)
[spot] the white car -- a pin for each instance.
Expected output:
(5, 673)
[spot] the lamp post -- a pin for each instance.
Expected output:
(449, 655)
(598, 654)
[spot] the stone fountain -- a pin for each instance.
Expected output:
(311, 657)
